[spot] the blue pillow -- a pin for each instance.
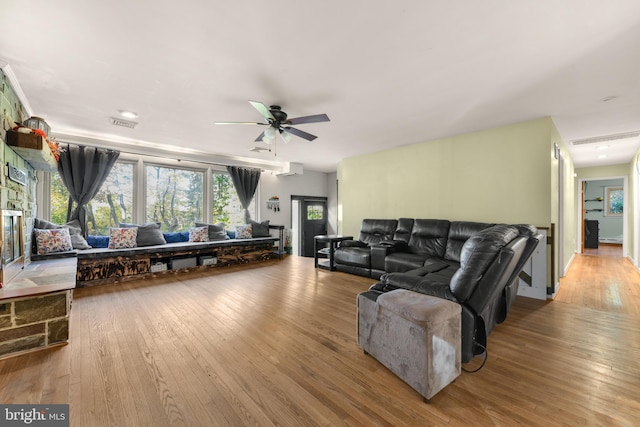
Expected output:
(176, 237)
(98, 241)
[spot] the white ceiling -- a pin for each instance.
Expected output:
(387, 73)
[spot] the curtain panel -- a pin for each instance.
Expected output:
(245, 181)
(83, 171)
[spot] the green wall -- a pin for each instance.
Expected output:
(497, 175)
(507, 174)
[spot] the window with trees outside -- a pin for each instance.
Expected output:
(226, 204)
(172, 196)
(112, 205)
(614, 201)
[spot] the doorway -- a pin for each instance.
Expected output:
(603, 214)
(308, 219)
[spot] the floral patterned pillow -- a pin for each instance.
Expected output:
(244, 231)
(199, 234)
(122, 238)
(54, 240)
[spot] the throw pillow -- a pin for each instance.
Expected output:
(244, 231)
(75, 232)
(216, 231)
(148, 234)
(199, 234)
(123, 238)
(259, 229)
(53, 240)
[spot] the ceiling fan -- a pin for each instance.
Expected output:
(278, 123)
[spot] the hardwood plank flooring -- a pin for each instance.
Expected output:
(275, 344)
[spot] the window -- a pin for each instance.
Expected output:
(112, 205)
(315, 212)
(614, 201)
(174, 197)
(226, 205)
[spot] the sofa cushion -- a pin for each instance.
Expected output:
(148, 234)
(373, 231)
(354, 256)
(459, 232)
(123, 238)
(404, 261)
(199, 234)
(403, 230)
(75, 231)
(52, 240)
(259, 229)
(216, 231)
(98, 242)
(244, 231)
(429, 237)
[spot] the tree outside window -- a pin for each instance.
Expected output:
(112, 205)
(226, 204)
(614, 199)
(173, 197)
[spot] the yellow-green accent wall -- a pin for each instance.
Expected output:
(507, 174)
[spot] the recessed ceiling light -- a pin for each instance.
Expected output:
(128, 114)
(602, 156)
(602, 147)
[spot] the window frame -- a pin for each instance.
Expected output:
(139, 195)
(607, 201)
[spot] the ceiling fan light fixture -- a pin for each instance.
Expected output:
(270, 133)
(286, 136)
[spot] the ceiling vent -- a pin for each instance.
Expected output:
(120, 122)
(605, 138)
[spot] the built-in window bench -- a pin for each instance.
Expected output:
(34, 306)
(102, 266)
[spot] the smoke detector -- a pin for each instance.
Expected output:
(121, 122)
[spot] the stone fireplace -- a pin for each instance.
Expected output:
(12, 245)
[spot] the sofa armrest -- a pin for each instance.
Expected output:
(396, 245)
(352, 244)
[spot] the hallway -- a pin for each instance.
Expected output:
(604, 280)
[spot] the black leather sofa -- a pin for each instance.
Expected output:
(473, 264)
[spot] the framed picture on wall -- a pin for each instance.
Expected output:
(614, 201)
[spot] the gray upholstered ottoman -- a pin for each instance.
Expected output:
(416, 336)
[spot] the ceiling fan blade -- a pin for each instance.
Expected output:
(239, 123)
(316, 118)
(262, 109)
(300, 133)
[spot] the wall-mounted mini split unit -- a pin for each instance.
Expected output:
(292, 168)
(120, 122)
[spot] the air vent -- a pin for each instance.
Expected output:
(124, 123)
(597, 139)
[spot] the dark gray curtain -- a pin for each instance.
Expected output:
(245, 181)
(83, 170)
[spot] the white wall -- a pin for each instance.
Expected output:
(310, 183)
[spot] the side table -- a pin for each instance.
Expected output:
(331, 240)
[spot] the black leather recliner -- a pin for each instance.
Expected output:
(354, 256)
(484, 282)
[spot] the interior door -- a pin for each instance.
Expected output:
(313, 218)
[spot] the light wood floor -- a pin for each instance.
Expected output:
(275, 345)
